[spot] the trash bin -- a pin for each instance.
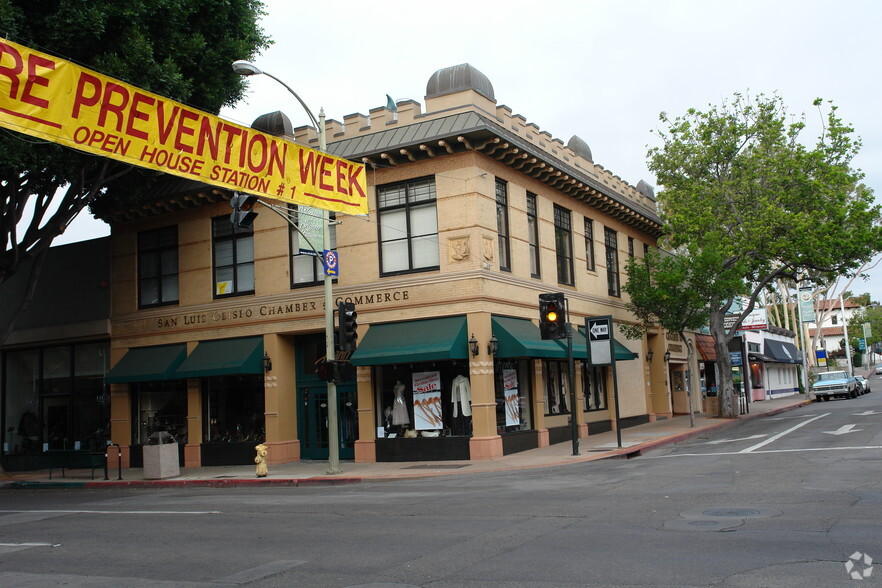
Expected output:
(161, 457)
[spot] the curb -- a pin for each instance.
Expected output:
(623, 453)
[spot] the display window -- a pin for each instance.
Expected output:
(234, 409)
(594, 379)
(425, 400)
(158, 407)
(557, 392)
(513, 395)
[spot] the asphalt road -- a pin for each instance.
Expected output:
(786, 500)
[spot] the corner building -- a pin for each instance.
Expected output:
(474, 212)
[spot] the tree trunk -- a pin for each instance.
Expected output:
(690, 351)
(725, 386)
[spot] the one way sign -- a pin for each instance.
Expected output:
(600, 350)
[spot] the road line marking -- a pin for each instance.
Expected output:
(30, 544)
(844, 429)
(779, 435)
(767, 451)
(149, 512)
(733, 440)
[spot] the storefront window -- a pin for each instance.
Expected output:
(557, 393)
(429, 400)
(512, 383)
(22, 426)
(594, 379)
(234, 409)
(160, 406)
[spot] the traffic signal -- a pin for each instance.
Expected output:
(552, 316)
(335, 371)
(243, 210)
(347, 337)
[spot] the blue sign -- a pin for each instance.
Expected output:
(735, 358)
(331, 262)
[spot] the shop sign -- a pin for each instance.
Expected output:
(427, 401)
(755, 321)
(510, 390)
(55, 100)
(734, 358)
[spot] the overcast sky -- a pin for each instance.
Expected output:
(599, 69)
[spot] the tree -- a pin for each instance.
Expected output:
(672, 292)
(181, 49)
(738, 182)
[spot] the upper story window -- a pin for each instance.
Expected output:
(563, 244)
(589, 243)
(834, 319)
(612, 262)
(533, 234)
(158, 267)
(630, 246)
(307, 269)
(408, 224)
(233, 249)
(502, 224)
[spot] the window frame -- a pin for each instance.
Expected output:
(408, 207)
(503, 228)
(563, 233)
(318, 271)
(613, 281)
(589, 245)
(236, 235)
(163, 273)
(533, 235)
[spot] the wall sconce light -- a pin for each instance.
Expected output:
(667, 356)
(473, 345)
(492, 345)
(267, 363)
(649, 355)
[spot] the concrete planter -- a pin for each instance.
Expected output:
(161, 461)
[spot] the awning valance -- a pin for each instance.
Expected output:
(782, 351)
(521, 338)
(224, 357)
(148, 364)
(413, 341)
(580, 349)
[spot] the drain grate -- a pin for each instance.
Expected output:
(731, 512)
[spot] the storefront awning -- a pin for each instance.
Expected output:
(148, 364)
(521, 338)
(224, 358)
(753, 356)
(782, 351)
(412, 341)
(580, 349)
(706, 348)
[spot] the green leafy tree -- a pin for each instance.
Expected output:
(672, 292)
(738, 181)
(181, 49)
(869, 314)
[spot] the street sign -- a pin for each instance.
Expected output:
(600, 341)
(331, 263)
(862, 344)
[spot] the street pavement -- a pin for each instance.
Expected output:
(635, 441)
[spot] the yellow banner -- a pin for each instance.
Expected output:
(56, 100)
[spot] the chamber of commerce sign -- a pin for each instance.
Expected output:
(59, 101)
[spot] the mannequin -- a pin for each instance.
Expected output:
(461, 394)
(400, 415)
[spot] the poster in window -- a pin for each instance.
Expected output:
(512, 405)
(427, 401)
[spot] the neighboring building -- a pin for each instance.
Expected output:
(773, 359)
(54, 360)
(832, 325)
(474, 212)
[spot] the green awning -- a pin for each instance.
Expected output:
(148, 364)
(521, 338)
(224, 357)
(413, 341)
(580, 349)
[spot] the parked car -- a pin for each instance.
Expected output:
(837, 383)
(879, 368)
(865, 384)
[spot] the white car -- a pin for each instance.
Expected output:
(879, 368)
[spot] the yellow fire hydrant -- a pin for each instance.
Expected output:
(260, 460)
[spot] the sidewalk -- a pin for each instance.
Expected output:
(635, 440)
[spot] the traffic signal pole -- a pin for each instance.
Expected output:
(574, 426)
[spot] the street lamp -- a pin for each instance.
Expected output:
(245, 68)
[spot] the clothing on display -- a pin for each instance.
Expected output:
(461, 394)
(400, 416)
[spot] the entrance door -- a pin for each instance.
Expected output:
(313, 420)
